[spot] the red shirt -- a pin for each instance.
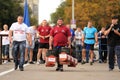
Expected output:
(60, 35)
(44, 31)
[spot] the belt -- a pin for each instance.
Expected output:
(89, 38)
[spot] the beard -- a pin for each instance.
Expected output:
(60, 24)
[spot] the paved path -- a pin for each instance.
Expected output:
(40, 72)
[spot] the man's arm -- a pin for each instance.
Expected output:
(69, 41)
(108, 30)
(10, 35)
(83, 38)
(117, 32)
(96, 38)
(50, 42)
(47, 36)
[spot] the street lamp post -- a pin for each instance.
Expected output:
(73, 10)
(73, 25)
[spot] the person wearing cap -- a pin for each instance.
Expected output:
(113, 33)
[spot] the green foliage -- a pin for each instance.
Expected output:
(99, 11)
(59, 13)
(9, 10)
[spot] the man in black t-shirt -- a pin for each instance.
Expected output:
(113, 32)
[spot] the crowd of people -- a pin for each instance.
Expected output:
(23, 40)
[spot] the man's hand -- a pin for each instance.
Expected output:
(96, 43)
(50, 48)
(43, 37)
(111, 25)
(69, 46)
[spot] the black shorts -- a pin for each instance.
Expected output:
(44, 45)
(88, 46)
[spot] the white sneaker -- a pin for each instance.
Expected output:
(38, 62)
(5, 61)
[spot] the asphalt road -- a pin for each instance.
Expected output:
(39, 72)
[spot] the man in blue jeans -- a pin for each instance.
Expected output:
(113, 32)
(17, 34)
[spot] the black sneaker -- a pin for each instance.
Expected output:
(42, 61)
(16, 66)
(31, 62)
(91, 63)
(100, 61)
(57, 69)
(83, 62)
(21, 68)
(61, 69)
(26, 62)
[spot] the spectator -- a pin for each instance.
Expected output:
(102, 46)
(72, 32)
(30, 43)
(113, 33)
(5, 43)
(60, 36)
(19, 31)
(78, 43)
(72, 40)
(89, 38)
(44, 33)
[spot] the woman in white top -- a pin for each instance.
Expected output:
(5, 43)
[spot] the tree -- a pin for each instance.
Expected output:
(9, 11)
(99, 11)
(59, 13)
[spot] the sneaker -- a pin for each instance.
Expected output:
(57, 69)
(38, 62)
(5, 61)
(26, 62)
(91, 63)
(21, 68)
(42, 61)
(16, 66)
(100, 61)
(61, 69)
(31, 62)
(83, 62)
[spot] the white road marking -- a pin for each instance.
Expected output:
(8, 71)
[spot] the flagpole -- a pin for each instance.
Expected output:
(26, 14)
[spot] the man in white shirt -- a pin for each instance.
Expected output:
(19, 32)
